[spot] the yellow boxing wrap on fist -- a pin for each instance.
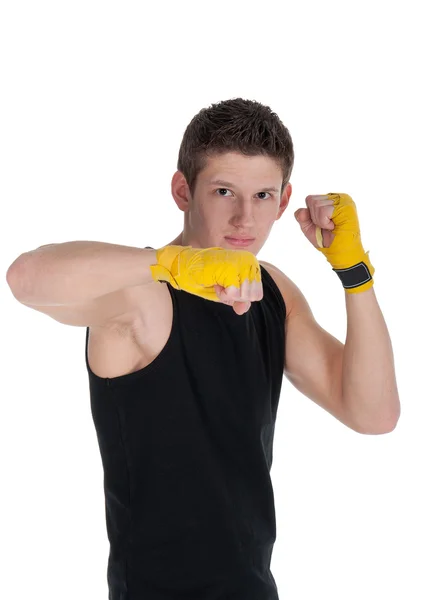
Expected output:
(346, 254)
(198, 270)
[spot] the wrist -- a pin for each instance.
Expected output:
(167, 258)
(357, 277)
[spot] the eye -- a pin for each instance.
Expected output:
(264, 193)
(224, 189)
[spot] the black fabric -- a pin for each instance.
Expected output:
(187, 445)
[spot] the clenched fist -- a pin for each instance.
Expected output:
(217, 274)
(331, 224)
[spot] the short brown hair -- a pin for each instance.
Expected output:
(234, 125)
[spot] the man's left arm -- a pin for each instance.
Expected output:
(330, 222)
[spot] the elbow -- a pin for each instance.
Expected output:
(12, 274)
(378, 428)
(17, 277)
(377, 424)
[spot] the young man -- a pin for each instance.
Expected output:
(186, 347)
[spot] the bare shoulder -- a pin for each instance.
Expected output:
(293, 297)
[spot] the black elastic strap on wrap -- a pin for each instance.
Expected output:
(355, 276)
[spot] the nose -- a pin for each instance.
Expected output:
(243, 215)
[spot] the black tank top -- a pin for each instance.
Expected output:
(186, 445)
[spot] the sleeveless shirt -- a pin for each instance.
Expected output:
(186, 445)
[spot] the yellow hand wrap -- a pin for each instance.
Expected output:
(346, 254)
(197, 270)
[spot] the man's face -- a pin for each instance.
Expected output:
(236, 196)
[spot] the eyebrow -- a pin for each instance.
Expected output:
(231, 185)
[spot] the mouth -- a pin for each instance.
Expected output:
(240, 242)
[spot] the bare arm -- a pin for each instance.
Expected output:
(78, 272)
(368, 373)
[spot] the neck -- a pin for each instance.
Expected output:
(178, 241)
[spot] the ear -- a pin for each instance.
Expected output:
(180, 191)
(285, 198)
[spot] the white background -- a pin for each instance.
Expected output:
(95, 97)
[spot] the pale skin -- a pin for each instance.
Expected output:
(355, 381)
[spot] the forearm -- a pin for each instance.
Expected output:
(369, 382)
(78, 271)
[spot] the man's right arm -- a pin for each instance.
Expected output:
(77, 272)
(84, 282)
